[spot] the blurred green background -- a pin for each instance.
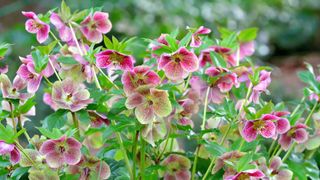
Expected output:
(289, 29)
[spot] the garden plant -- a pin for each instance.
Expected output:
(195, 106)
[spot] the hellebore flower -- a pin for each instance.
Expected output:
(224, 82)
(60, 151)
(70, 95)
(93, 26)
(178, 65)
(161, 40)
(264, 126)
(28, 73)
(64, 31)
(245, 49)
(139, 77)
(11, 91)
(148, 106)
(264, 82)
(98, 119)
(195, 38)
(188, 108)
(154, 131)
(282, 123)
(297, 133)
(273, 171)
(35, 26)
(109, 57)
(225, 52)
(90, 168)
(250, 174)
(228, 156)
(11, 150)
(177, 167)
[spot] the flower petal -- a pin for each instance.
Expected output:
(174, 71)
(134, 100)
(48, 147)
(161, 103)
(283, 125)
(15, 156)
(268, 130)
(72, 156)
(189, 61)
(102, 22)
(54, 159)
(144, 113)
(248, 132)
(285, 141)
(5, 148)
(300, 135)
(43, 33)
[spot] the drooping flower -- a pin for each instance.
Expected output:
(93, 26)
(10, 149)
(161, 40)
(11, 91)
(28, 73)
(148, 106)
(70, 95)
(112, 58)
(264, 82)
(35, 26)
(224, 52)
(61, 151)
(282, 124)
(196, 39)
(228, 156)
(64, 31)
(264, 126)
(178, 65)
(250, 174)
(296, 134)
(245, 49)
(177, 167)
(222, 81)
(98, 119)
(140, 77)
(90, 168)
(188, 108)
(273, 170)
(154, 131)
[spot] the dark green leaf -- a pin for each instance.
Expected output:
(215, 149)
(55, 120)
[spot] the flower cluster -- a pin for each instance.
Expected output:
(115, 114)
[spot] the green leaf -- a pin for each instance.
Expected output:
(185, 40)
(79, 16)
(55, 120)
(65, 11)
(230, 41)
(3, 49)
(48, 48)
(115, 43)
(67, 60)
(54, 134)
(83, 116)
(19, 172)
(107, 42)
(40, 61)
(266, 109)
(174, 33)
(19, 133)
(6, 134)
(243, 163)
(23, 109)
(118, 155)
(247, 35)
(309, 78)
(215, 149)
(313, 143)
(172, 42)
(224, 32)
(218, 60)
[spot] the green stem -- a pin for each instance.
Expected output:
(12, 118)
(55, 38)
(194, 167)
(123, 149)
(24, 153)
(25, 132)
(96, 80)
(48, 81)
(75, 39)
(142, 158)
(288, 152)
(108, 78)
(54, 69)
(134, 152)
(271, 147)
(204, 118)
(165, 146)
(76, 124)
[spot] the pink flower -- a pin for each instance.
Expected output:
(226, 157)
(28, 73)
(98, 119)
(226, 80)
(60, 151)
(148, 106)
(4, 69)
(36, 26)
(196, 40)
(250, 174)
(282, 124)
(205, 57)
(314, 96)
(70, 95)
(47, 99)
(245, 49)
(109, 57)
(264, 82)
(154, 131)
(273, 170)
(93, 26)
(264, 126)
(10, 149)
(178, 65)
(161, 40)
(12, 91)
(90, 168)
(177, 167)
(64, 31)
(297, 133)
(140, 77)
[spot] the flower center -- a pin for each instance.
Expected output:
(177, 58)
(259, 124)
(244, 177)
(116, 58)
(61, 149)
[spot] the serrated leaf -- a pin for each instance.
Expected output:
(266, 109)
(243, 163)
(107, 42)
(65, 11)
(23, 109)
(54, 134)
(83, 116)
(40, 61)
(55, 120)
(48, 48)
(218, 60)
(215, 149)
(172, 42)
